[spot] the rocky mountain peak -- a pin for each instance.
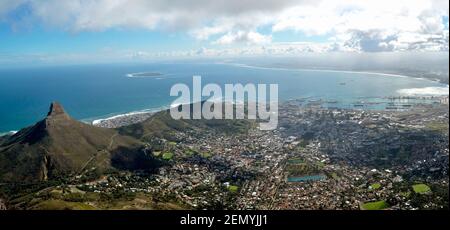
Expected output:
(56, 110)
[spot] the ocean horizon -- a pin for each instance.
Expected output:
(95, 92)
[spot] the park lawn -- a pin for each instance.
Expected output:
(376, 205)
(375, 186)
(167, 156)
(421, 188)
(233, 188)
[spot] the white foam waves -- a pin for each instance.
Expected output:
(125, 115)
(12, 132)
(323, 70)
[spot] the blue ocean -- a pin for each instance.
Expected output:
(90, 92)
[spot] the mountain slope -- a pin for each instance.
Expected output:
(59, 146)
(163, 125)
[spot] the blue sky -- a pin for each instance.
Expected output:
(83, 31)
(39, 40)
(45, 40)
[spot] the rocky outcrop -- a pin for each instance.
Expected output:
(59, 146)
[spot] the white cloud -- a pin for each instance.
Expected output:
(7, 5)
(206, 32)
(272, 49)
(351, 25)
(382, 25)
(250, 37)
(175, 14)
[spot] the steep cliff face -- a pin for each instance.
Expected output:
(60, 146)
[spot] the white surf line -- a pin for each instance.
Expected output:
(97, 121)
(145, 111)
(325, 70)
(12, 132)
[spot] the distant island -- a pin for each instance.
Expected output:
(145, 74)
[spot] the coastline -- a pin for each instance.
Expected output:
(333, 71)
(114, 120)
(129, 118)
(124, 119)
(9, 133)
(137, 116)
